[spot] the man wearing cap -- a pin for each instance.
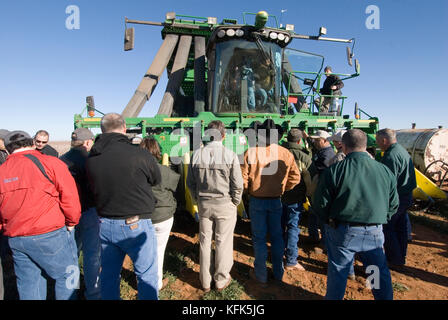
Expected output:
(321, 161)
(87, 231)
(293, 200)
(268, 171)
(3, 153)
(41, 139)
(122, 176)
(337, 141)
(354, 198)
(398, 160)
(39, 207)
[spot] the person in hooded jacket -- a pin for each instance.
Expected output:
(122, 176)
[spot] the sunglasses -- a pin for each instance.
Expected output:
(43, 142)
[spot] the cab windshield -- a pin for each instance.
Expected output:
(247, 77)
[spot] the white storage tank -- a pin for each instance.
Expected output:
(428, 149)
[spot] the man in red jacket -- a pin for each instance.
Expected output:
(39, 207)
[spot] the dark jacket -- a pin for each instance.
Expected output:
(49, 151)
(3, 156)
(121, 175)
(302, 156)
(164, 193)
(321, 160)
(332, 80)
(398, 160)
(357, 189)
(76, 161)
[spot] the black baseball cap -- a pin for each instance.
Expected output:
(15, 136)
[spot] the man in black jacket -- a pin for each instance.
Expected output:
(121, 175)
(332, 87)
(87, 231)
(41, 139)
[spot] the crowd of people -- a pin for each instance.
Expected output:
(109, 198)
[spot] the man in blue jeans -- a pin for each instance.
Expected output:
(293, 200)
(87, 231)
(268, 171)
(121, 176)
(39, 207)
(355, 197)
(396, 231)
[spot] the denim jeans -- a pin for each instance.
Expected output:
(396, 233)
(342, 244)
(138, 241)
(290, 225)
(88, 240)
(266, 216)
(50, 254)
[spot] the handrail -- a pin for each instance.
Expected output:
(317, 92)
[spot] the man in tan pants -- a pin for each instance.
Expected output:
(215, 181)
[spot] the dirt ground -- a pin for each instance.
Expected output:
(425, 276)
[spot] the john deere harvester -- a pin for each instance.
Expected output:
(239, 73)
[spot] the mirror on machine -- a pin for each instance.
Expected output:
(129, 39)
(349, 56)
(357, 66)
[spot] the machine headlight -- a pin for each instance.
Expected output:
(239, 32)
(230, 32)
(273, 35)
(221, 33)
(281, 36)
(286, 39)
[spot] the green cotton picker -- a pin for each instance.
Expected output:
(239, 73)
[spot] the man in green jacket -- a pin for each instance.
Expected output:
(355, 197)
(398, 160)
(293, 200)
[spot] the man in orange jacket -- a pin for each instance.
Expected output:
(39, 207)
(268, 171)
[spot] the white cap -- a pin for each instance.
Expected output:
(337, 136)
(320, 134)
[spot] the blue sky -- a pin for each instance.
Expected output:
(48, 70)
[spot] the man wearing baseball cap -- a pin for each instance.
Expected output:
(320, 161)
(39, 207)
(87, 231)
(337, 141)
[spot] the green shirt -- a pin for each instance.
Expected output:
(302, 157)
(164, 193)
(357, 189)
(398, 160)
